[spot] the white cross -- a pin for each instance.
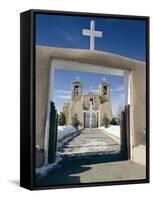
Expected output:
(92, 33)
(77, 78)
(104, 79)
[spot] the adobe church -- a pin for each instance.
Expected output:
(90, 108)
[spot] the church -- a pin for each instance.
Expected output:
(90, 108)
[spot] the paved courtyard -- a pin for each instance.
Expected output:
(70, 172)
(91, 141)
(92, 156)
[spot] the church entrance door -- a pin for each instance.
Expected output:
(93, 120)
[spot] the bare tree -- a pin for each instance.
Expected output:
(120, 109)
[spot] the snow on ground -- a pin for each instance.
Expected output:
(112, 129)
(91, 141)
(64, 131)
(42, 171)
(65, 134)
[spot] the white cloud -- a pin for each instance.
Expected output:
(63, 91)
(64, 97)
(120, 88)
(72, 36)
(96, 91)
(91, 90)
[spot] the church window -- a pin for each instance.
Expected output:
(91, 99)
(76, 90)
(105, 90)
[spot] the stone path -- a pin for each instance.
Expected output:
(91, 141)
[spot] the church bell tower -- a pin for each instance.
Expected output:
(104, 91)
(76, 90)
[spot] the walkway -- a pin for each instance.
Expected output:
(92, 157)
(75, 172)
(91, 141)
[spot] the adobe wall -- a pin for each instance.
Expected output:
(76, 107)
(66, 112)
(44, 56)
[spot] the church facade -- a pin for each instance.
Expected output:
(90, 108)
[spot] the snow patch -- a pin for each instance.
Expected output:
(64, 130)
(112, 129)
(65, 134)
(46, 168)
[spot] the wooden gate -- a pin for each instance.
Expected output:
(53, 123)
(125, 132)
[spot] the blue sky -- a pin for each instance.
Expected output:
(123, 37)
(120, 36)
(90, 81)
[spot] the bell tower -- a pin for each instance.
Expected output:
(105, 107)
(104, 91)
(76, 90)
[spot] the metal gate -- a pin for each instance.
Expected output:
(93, 120)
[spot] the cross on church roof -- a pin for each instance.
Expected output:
(77, 78)
(104, 79)
(92, 33)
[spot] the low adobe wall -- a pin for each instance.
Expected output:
(44, 56)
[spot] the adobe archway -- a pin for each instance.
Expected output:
(45, 55)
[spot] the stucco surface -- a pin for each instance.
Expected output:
(44, 56)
